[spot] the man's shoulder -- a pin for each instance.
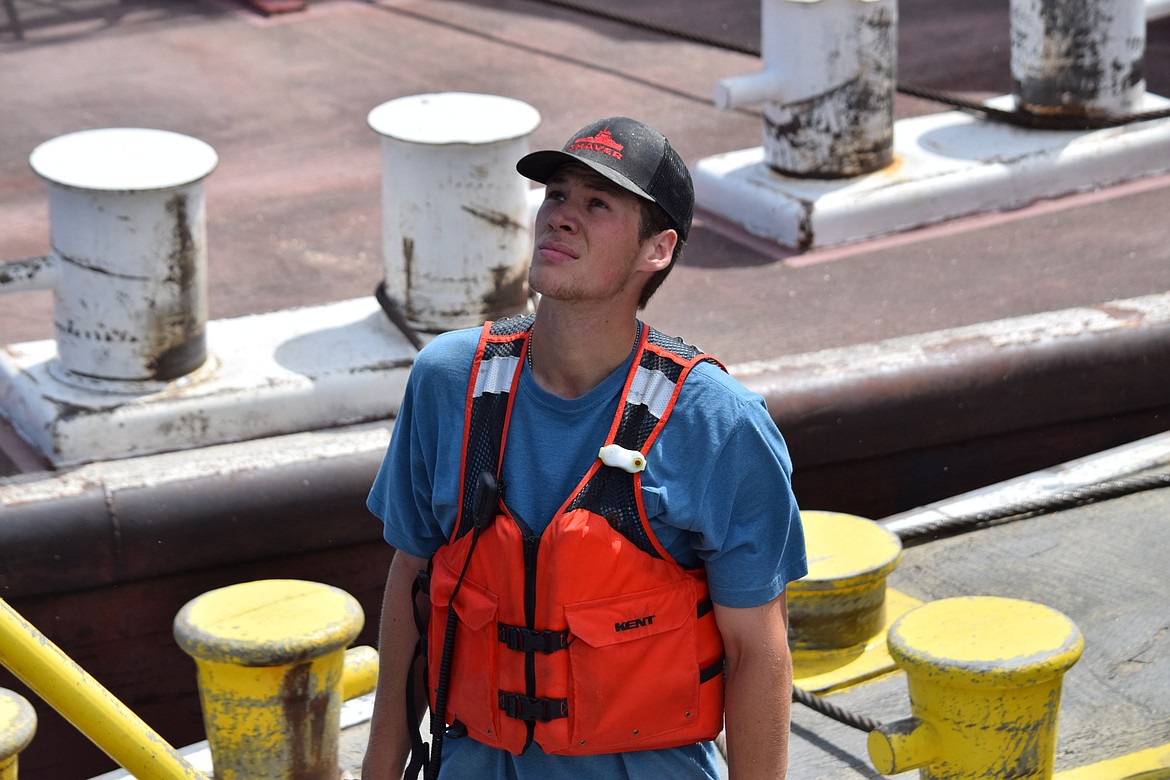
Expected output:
(714, 383)
(450, 351)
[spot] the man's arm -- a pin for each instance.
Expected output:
(758, 689)
(389, 743)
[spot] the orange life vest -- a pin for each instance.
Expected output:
(588, 638)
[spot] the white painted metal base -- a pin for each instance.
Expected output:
(946, 165)
(269, 374)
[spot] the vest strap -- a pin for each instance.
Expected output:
(527, 640)
(711, 672)
(522, 707)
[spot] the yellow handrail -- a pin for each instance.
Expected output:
(85, 703)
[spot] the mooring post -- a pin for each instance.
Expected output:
(129, 255)
(273, 671)
(841, 602)
(984, 675)
(1078, 58)
(18, 724)
(456, 232)
(827, 86)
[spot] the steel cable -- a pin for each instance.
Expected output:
(828, 709)
(1065, 499)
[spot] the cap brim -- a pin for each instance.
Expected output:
(540, 167)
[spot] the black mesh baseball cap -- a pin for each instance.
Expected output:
(630, 154)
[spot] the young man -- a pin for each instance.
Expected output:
(622, 596)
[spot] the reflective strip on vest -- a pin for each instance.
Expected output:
(652, 389)
(495, 375)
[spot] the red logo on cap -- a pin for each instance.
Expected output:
(602, 142)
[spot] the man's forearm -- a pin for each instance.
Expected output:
(758, 693)
(759, 704)
(389, 743)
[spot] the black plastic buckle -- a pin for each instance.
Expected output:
(527, 708)
(527, 640)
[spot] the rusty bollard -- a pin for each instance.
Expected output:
(456, 227)
(273, 672)
(128, 263)
(827, 87)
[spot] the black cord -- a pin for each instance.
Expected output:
(438, 717)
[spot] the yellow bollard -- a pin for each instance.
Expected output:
(841, 602)
(18, 723)
(984, 675)
(271, 664)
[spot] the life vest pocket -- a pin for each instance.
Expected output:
(634, 668)
(472, 692)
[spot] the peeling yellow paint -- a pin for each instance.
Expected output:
(984, 676)
(841, 602)
(271, 666)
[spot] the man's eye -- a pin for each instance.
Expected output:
(597, 202)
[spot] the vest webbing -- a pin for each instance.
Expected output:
(662, 364)
(645, 651)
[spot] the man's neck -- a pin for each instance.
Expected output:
(573, 351)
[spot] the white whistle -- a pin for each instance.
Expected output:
(619, 457)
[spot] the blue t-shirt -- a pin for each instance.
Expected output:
(716, 489)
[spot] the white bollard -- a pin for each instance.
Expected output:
(456, 232)
(1078, 58)
(827, 86)
(129, 254)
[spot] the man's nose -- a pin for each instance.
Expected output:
(563, 217)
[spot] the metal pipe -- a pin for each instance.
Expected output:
(85, 703)
(140, 518)
(32, 273)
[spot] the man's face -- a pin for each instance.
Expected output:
(586, 239)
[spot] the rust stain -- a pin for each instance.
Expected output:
(99, 333)
(307, 716)
(194, 426)
(508, 292)
(496, 218)
(179, 344)
(954, 346)
(1071, 72)
(847, 130)
(408, 270)
(1128, 316)
(22, 271)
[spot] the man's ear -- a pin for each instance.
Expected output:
(658, 250)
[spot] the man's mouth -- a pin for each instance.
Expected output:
(554, 250)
